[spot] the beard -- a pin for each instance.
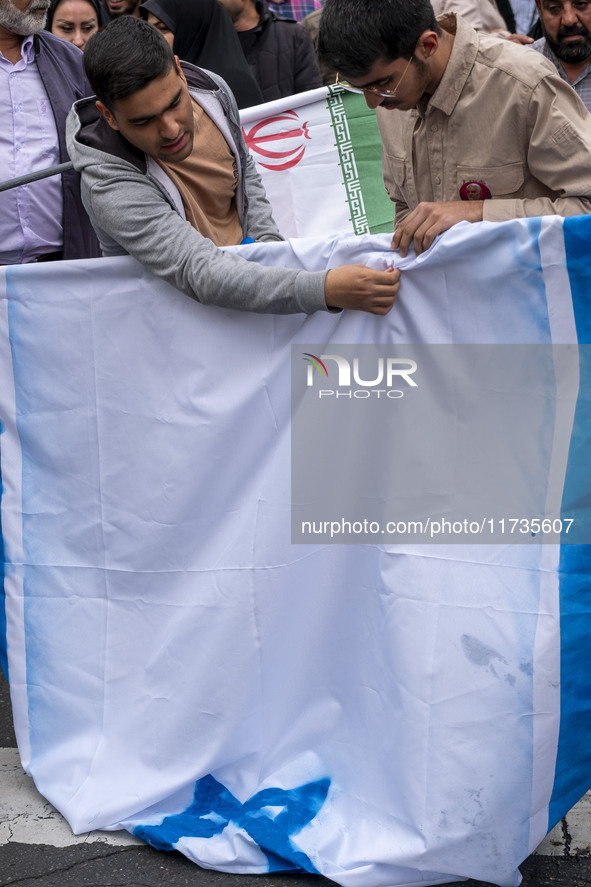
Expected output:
(571, 53)
(23, 23)
(129, 9)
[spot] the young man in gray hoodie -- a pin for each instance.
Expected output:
(166, 177)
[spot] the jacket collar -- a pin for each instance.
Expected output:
(460, 63)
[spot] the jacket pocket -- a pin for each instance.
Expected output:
(397, 176)
(501, 181)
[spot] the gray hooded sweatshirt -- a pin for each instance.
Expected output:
(135, 208)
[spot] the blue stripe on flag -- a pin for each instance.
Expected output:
(3, 638)
(23, 369)
(573, 763)
(577, 236)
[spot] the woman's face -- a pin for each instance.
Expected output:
(74, 21)
(160, 26)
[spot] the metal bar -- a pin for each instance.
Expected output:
(35, 176)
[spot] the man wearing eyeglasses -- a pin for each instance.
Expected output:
(456, 110)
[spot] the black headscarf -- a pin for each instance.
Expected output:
(204, 35)
(506, 10)
(96, 5)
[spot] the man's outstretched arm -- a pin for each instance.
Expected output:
(362, 289)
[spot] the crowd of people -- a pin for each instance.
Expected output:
(478, 120)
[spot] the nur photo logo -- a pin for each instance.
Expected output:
(345, 375)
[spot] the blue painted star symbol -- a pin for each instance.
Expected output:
(214, 807)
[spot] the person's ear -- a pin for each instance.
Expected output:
(180, 70)
(108, 115)
(427, 45)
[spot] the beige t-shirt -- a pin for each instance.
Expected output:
(207, 182)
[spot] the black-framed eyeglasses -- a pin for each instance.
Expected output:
(375, 90)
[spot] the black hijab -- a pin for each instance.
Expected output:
(204, 35)
(96, 5)
(506, 10)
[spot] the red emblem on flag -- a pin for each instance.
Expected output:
(262, 139)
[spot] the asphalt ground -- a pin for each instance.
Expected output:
(102, 865)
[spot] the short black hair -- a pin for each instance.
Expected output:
(124, 57)
(354, 34)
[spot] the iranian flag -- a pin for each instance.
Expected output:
(323, 142)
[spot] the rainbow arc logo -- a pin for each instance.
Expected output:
(316, 362)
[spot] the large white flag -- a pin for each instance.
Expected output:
(385, 713)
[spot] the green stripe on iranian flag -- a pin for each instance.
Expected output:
(319, 155)
(360, 155)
